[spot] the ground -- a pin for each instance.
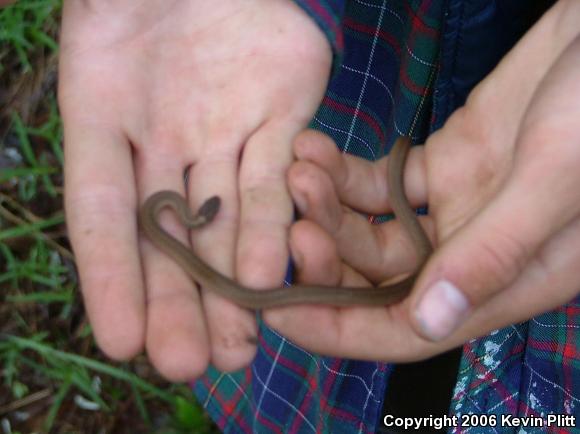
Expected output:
(54, 379)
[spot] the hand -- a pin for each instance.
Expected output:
(148, 89)
(501, 181)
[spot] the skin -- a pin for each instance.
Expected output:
(130, 130)
(148, 89)
(203, 274)
(501, 181)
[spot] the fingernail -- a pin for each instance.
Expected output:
(441, 310)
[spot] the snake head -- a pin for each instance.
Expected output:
(209, 208)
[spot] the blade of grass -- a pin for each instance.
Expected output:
(44, 297)
(55, 407)
(17, 172)
(32, 228)
(141, 404)
(46, 181)
(91, 364)
(23, 140)
(43, 39)
(85, 385)
(76, 374)
(31, 217)
(26, 147)
(51, 131)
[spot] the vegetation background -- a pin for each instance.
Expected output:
(53, 377)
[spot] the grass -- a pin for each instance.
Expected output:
(54, 379)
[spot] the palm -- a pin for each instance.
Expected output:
(148, 89)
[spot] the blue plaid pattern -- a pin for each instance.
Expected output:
(386, 53)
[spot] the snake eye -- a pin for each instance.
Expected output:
(209, 208)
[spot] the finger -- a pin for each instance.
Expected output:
(317, 262)
(377, 251)
(314, 254)
(505, 91)
(266, 207)
(359, 332)
(486, 255)
(176, 340)
(362, 333)
(231, 328)
(386, 334)
(100, 203)
(359, 183)
(548, 282)
(492, 250)
(355, 332)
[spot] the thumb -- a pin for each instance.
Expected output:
(539, 198)
(491, 250)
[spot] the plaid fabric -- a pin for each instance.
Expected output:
(526, 370)
(385, 57)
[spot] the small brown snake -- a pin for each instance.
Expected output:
(208, 278)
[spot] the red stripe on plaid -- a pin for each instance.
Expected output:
(329, 20)
(330, 382)
(417, 19)
(572, 311)
(227, 406)
(487, 376)
(419, 28)
(343, 108)
(370, 30)
(306, 404)
(298, 369)
(268, 423)
(567, 349)
(337, 412)
(406, 79)
(570, 351)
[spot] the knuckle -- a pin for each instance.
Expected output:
(501, 258)
(471, 120)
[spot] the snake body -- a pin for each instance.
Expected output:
(210, 279)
